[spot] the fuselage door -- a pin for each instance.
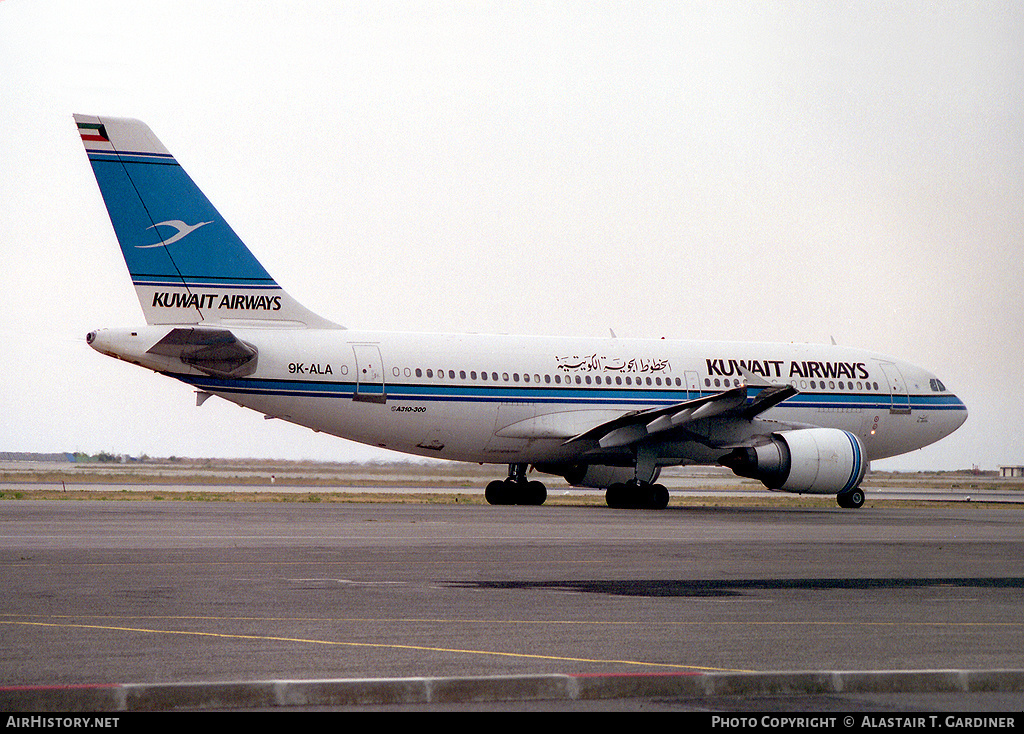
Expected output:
(897, 388)
(369, 374)
(692, 385)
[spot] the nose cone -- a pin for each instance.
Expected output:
(951, 413)
(939, 412)
(959, 414)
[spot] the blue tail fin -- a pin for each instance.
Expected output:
(188, 266)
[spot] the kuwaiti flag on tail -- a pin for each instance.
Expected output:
(93, 132)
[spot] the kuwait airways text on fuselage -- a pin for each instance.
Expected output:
(777, 368)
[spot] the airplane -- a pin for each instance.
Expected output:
(606, 413)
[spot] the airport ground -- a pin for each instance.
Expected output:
(410, 577)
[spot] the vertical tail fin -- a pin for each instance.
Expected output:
(188, 266)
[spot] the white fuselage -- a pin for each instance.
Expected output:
(503, 399)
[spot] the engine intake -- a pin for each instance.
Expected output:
(811, 460)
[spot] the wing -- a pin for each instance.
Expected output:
(730, 405)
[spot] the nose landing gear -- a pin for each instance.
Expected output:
(851, 500)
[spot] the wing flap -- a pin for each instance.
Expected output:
(727, 406)
(640, 423)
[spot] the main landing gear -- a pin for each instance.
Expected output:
(637, 495)
(641, 492)
(516, 489)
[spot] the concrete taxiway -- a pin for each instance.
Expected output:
(171, 591)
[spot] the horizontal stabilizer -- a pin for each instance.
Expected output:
(217, 352)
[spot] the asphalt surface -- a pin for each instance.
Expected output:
(164, 592)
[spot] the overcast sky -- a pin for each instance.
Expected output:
(722, 171)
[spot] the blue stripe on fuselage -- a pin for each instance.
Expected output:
(607, 396)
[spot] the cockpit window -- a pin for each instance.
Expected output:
(936, 385)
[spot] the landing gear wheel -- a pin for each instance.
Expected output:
(636, 496)
(617, 496)
(533, 494)
(511, 492)
(498, 492)
(851, 500)
(659, 497)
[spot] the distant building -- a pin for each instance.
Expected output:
(1011, 471)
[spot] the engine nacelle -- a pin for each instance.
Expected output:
(599, 477)
(810, 460)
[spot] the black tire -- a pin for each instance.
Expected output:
(496, 493)
(659, 497)
(851, 500)
(534, 493)
(615, 495)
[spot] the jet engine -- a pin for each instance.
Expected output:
(810, 460)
